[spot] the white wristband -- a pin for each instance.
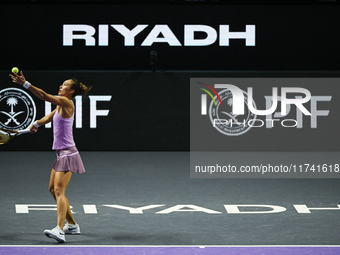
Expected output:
(27, 85)
(36, 124)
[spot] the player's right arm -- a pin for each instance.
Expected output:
(43, 121)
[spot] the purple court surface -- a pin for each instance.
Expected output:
(235, 250)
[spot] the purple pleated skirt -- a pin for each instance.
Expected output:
(68, 160)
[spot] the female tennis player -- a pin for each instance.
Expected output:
(68, 159)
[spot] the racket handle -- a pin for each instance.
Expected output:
(24, 131)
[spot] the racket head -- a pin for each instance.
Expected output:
(5, 136)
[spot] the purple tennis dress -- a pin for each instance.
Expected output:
(68, 158)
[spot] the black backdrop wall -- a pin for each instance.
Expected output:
(151, 110)
(286, 37)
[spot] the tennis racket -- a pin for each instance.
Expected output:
(7, 135)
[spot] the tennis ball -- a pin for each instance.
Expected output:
(15, 70)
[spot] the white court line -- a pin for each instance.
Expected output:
(173, 246)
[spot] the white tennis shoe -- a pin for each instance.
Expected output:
(56, 233)
(70, 229)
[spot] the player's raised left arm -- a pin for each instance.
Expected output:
(41, 94)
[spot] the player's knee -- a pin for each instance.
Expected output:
(57, 192)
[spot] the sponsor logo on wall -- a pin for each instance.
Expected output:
(17, 109)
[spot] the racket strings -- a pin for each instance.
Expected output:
(4, 137)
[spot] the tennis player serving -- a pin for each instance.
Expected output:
(68, 159)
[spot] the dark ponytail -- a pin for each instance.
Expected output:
(79, 89)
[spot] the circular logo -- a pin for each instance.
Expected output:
(17, 109)
(224, 120)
